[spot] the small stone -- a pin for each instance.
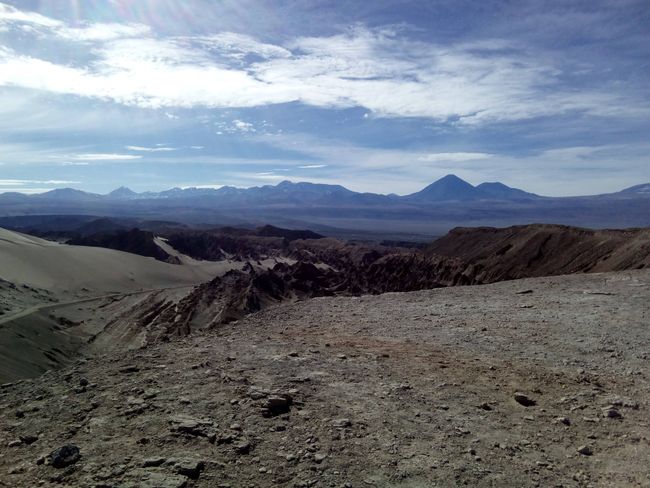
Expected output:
(341, 356)
(342, 423)
(83, 382)
(485, 406)
(585, 450)
(65, 456)
(129, 369)
(293, 354)
(153, 462)
(190, 468)
(563, 420)
(28, 439)
(235, 426)
(243, 447)
(612, 413)
(15, 443)
(277, 405)
(524, 400)
(319, 457)
(256, 394)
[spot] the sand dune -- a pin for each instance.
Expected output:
(86, 270)
(38, 278)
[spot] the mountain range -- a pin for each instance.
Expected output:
(445, 203)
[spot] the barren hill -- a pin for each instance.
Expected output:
(544, 250)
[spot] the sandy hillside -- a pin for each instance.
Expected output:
(60, 268)
(39, 278)
(537, 382)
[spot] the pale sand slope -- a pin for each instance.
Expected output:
(61, 268)
(39, 277)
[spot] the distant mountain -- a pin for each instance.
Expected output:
(504, 192)
(122, 192)
(452, 188)
(68, 194)
(643, 189)
(447, 188)
(445, 203)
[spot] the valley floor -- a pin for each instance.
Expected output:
(397, 390)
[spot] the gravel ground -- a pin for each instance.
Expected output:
(538, 382)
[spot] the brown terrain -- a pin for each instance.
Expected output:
(315, 362)
(544, 250)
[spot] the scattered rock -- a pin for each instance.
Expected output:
(15, 443)
(277, 405)
(129, 369)
(65, 456)
(190, 468)
(243, 447)
(612, 413)
(191, 426)
(585, 450)
(153, 462)
(28, 439)
(342, 423)
(319, 457)
(523, 399)
(563, 420)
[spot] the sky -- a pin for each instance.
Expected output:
(384, 96)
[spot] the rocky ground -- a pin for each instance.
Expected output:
(537, 382)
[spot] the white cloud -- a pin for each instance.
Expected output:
(243, 126)
(389, 75)
(453, 156)
(75, 163)
(235, 126)
(37, 182)
(239, 45)
(26, 191)
(312, 166)
(150, 149)
(9, 14)
(103, 32)
(103, 157)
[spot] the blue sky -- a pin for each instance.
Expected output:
(383, 96)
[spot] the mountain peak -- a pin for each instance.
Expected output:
(122, 192)
(449, 187)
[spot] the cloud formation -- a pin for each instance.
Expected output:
(102, 157)
(378, 69)
(150, 149)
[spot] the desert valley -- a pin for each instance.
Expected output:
(276, 357)
(324, 244)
